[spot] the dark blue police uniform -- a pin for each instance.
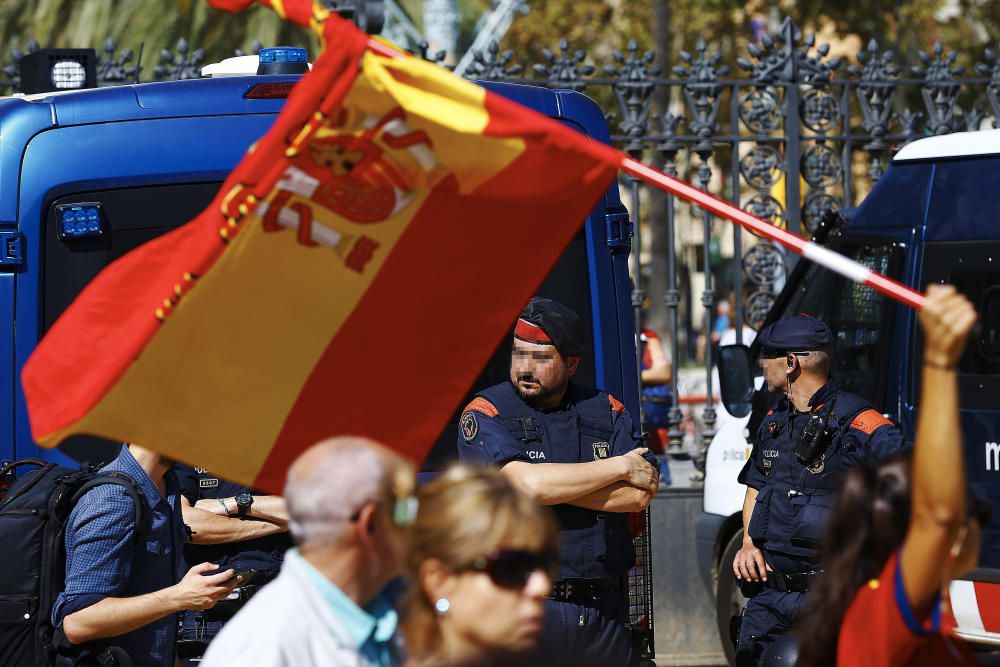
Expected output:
(587, 615)
(794, 496)
(264, 554)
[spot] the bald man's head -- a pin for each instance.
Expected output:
(329, 482)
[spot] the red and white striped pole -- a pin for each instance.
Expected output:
(812, 251)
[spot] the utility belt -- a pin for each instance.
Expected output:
(586, 591)
(796, 582)
(193, 637)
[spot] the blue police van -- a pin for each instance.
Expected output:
(88, 175)
(933, 217)
(146, 158)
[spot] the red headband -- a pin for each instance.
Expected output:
(530, 333)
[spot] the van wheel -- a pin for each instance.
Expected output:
(729, 601)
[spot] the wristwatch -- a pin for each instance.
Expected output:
(243, 503)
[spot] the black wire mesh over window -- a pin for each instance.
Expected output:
(640, 584)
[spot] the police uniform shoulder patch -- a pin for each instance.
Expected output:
(469, 425)
(480, 404)
(616, 406)
(602, 450)
(868, 421)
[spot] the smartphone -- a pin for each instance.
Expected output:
(247, 575)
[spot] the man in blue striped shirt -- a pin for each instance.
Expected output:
(125, 592)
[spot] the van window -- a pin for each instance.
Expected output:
(132, 216)
(974, 268)
(857, 314)
(136, 215)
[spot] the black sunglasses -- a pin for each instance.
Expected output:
(766, 353)
(512, 568)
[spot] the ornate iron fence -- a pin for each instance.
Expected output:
(800, 133)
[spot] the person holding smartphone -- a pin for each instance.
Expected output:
(237, 528)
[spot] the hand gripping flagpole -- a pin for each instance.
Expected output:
(814, 252)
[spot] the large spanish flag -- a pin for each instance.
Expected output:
(353, 275)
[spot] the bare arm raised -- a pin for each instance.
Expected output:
(939, 486)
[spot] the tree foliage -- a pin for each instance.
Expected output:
(131, 23)
(599, 26)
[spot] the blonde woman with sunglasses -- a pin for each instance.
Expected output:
(481, 561)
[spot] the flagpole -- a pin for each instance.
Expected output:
(814, 252)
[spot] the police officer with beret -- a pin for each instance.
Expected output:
(235, 527)
(573, 448)
(802, 450)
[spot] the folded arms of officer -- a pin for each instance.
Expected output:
(215, 520)
(561, 442)
(623, 483)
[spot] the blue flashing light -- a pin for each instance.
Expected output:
(283, 54)
(79, 220)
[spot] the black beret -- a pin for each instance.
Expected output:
(547, 322)
(800, 332)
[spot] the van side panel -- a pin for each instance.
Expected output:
(61, 161)
(897, 202)
(7, 388)
(965, 200)
(19, 121)
(614, 337)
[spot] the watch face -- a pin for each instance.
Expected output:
(244, 500)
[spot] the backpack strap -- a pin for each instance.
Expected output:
(126, 482)
(97, 653)
(16, 490)
(16, 464)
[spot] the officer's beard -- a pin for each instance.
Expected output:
(539, 396)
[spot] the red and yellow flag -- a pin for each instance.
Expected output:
(353, 275)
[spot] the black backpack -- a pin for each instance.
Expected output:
(33, 516)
